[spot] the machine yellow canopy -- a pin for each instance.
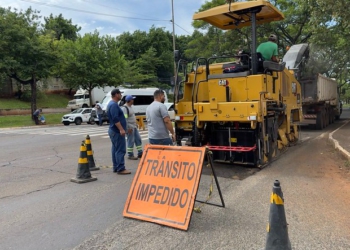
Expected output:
(238, 15)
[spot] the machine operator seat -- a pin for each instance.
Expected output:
(246, 61)
(260, 62)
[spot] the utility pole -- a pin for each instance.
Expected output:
(172, 20)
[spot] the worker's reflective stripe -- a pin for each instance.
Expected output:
(276, 199)
(130, 149)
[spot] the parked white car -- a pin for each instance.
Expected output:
(77, 116)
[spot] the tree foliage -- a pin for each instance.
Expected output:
(25, 54)
(305, 22)
(331, 25)
(31, 51)
(91, 61)
(150, 56)
(61, 28)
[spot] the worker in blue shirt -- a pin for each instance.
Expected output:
(116, 132)
(36, 115)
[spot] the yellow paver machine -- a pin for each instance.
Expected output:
(245, 117)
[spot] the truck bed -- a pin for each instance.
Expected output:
(318, 89)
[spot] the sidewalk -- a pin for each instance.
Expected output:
(341, 139)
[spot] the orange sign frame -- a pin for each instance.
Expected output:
(165, 185)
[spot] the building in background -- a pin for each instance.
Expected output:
(10, 87)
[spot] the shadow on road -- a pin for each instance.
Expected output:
(231, 171)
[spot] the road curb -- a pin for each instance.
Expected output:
(336, 143)
(27, 111)
(33, 126)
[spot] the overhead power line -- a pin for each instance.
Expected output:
(182, 28)
(109, 7)
(102, 14)
(92, 12)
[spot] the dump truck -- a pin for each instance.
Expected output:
(247, 117)
(321, 105)
(82, 98)
(320, 94)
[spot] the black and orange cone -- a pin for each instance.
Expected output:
(90, 154)
(83, 172)
(277, 229)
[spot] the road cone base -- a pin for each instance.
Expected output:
(76, 180)
(95, 168)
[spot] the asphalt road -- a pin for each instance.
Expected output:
(41, 209)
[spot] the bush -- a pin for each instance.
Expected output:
(26, 96)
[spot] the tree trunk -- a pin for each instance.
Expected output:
(90, 98)
(33, 96)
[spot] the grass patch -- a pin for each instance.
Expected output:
(25, 120)
(45, 101)
(347, 164)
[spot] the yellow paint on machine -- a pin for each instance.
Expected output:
(276, 199)
(268, 227)
(234, 140)
(83, 160)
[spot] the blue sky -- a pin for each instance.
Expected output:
(114, 17)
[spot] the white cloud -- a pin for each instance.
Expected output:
(118, 15)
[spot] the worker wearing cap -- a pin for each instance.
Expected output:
(269, 49)
(116, 132)
(133, 136)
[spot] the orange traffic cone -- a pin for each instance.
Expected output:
(90, 154)
(277, 229)
(83, 172)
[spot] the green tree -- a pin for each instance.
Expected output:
(91, 61)
(330, 17)
(154, 46)
(132, 46)
(182, 43)
(25, 55)
(146, 67)
(61, 28)
(294, 29)
(322, 23)
(161, 41)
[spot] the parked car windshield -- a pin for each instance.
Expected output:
(77, 111)
(80, 97)
(106, 100)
